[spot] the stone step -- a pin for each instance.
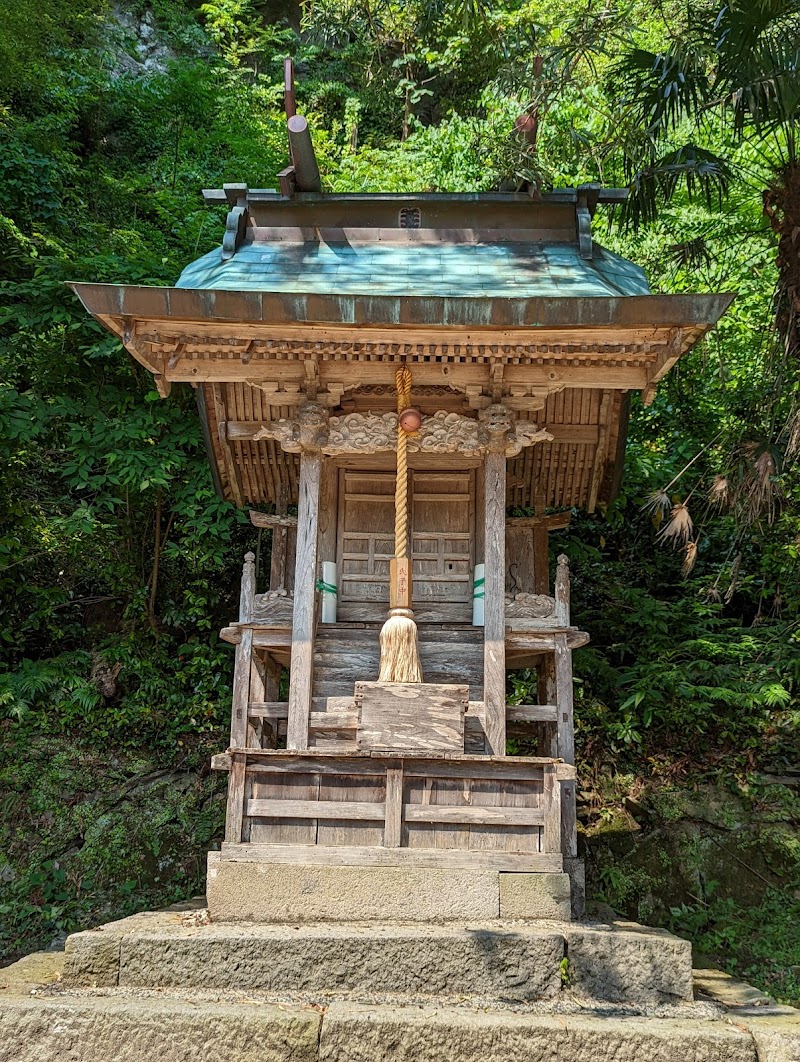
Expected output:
(126, 1026)
(41, 1020)
(521, 961)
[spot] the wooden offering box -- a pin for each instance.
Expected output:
(410, 717)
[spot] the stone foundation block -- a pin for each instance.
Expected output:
(91, 959)
(248, 891)
(354, 1033)
(477, 960)
(535, 896)
(626, 962)
(108, 1029)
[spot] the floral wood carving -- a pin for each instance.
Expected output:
(275, 606)
(529, 606)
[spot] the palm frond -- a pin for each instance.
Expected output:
(700, 172)
(662, 89)
(678, 531)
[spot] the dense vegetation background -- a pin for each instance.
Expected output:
(118, 563)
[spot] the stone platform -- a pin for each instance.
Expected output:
(521, 961)
(248, 889)
(41, 1020)
(174, 986)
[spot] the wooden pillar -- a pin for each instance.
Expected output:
(566, 732)
(305, 579)
(494, 634)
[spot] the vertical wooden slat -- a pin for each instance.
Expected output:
(494, 646)
(569, 820)
(566, 736)
(547, 695)
(551, 805)
(241, 689)
(303, 618)
(228, 462)
(258, 676)
(280, 540)
(541, 576)
(393, 828)
(234, 817)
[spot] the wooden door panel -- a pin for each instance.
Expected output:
(442, 514)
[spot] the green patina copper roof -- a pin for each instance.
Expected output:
(513, 270)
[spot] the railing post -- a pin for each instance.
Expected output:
(247, 593)
(562, 591)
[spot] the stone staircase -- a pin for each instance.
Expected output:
(171, 986)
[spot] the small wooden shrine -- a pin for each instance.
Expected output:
(522, 340)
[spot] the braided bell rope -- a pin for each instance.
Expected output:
(403, 386)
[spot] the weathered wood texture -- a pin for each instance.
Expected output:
(494, 657)
(563, 675)
(406, 716)
(367, 802)
(304, 619)
(442, 522)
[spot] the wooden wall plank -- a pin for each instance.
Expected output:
(315, 809)
(234, 816)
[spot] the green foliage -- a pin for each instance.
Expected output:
(118, 563)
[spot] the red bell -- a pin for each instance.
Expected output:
(410, 420)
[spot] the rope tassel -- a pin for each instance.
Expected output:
(399, 645)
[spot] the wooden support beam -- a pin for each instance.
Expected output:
(601, 450)
(484, 815)
(562, 591)
(304, 617)
(553, 522)
(228, 461)
(494, 647)
(317, 809)
(219, 370)
(379, 855)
